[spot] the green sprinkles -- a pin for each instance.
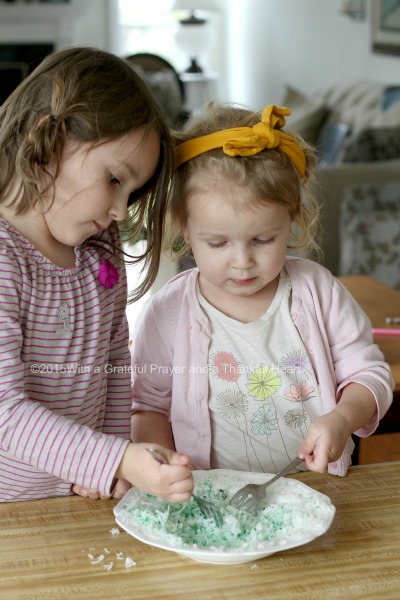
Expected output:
(183, 525)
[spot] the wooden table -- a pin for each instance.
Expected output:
(379, 301)
(44, 547)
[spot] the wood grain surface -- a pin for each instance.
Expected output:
(44, 548)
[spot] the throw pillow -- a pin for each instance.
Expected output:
(330, 142)
(390, 96)
(369, 232)
(374, 145)
(388, 118)
(307, 115)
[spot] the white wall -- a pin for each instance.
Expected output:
(307, 43)
(78, 22)
(258, 46)
(94, 25)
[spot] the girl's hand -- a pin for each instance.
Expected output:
(325, 441)
(328, 434)
(193, 467)
(172, 481)
(119, 489)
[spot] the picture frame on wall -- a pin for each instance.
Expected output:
(386, 26)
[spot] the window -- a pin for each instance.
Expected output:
(150, 26)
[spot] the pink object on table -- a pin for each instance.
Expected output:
(386, 331)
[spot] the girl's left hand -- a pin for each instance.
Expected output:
(325, 441)
(119, 489)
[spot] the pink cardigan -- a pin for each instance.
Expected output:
(170, 354)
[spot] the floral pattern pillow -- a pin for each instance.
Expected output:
(373, 145)
(370, 232)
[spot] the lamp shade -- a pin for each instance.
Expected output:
(210, 5)
(193, 33)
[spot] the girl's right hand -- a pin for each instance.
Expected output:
(119, 489)
(172, 481)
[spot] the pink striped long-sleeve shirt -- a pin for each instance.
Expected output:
(65, 396)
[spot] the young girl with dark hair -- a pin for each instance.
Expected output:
(83, 148)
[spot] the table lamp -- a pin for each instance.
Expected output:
(194, 33)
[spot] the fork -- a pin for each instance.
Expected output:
(250, 495)
(208, 509)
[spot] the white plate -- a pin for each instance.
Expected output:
(288, 492)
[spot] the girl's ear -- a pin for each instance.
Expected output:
(186, 235)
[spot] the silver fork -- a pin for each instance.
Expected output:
(209, 509)
(250, 495)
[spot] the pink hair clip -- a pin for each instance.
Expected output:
(108, 274)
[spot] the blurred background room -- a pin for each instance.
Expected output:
(335, 63)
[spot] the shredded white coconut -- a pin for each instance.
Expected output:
(97, 560)
(129, 562)
(299, 515)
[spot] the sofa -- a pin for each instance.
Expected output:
(355, 127)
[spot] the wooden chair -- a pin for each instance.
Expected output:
(164, 82)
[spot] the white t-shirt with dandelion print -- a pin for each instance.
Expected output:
(263, 393)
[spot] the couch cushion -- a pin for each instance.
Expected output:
(390, 96)
(369, 232)
(307, 115)
(389, 117)
(355, 103)
(331, 141)
(373, 145)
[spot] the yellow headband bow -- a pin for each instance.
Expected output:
(247, 141)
